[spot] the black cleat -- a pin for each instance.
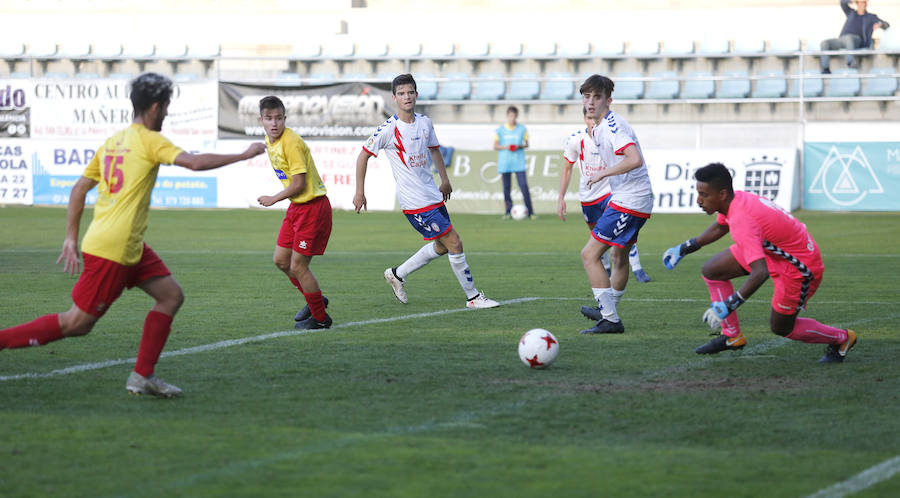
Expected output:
(722, 343)
(305, 313)
(835, 353)
(605, 326)
(313, 324)
(592, 312)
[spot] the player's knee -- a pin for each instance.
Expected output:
(282, 264)
(72, 325)
(298, 270)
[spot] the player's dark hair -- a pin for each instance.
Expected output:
(512, 109)
(403, 79)
(148, 89)
(270, 102)
(597, 83)
(716, 175)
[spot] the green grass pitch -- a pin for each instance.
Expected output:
(430, 400)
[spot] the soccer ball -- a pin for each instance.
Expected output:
(538, 348)
(518, 212)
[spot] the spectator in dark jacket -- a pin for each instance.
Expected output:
(857, 33)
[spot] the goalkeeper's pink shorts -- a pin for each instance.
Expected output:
(794, 282)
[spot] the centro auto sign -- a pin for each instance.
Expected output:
(851, 176)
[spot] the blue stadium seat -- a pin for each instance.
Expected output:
(628, 90)
(677, 47)
(489, 86)
(540, 49)
(287, 79)
(73, 50)
(607, 47)
(457, 87)
(890, 40)
(699, 89)
(87, 75)
(506, 50)
(842, 86)
(388, 77)
(305, 51)
(427, 89)
(771, 85)
(138, 50)
(473, 49)
(171, 50)
(884, 86)
(736, 88)
(369, 49)
(813, 85)
(18, 75)
(574, 49)
(749, 47)
(42, 49)
(339, 47)
(123, 76)
(204, 51)
(524, 86)
(404, 49)
(186, 77)
(559, 87)
(320, 78)
(784, 46)
(713, 47)
(643, 47)
(438, 49)
(667, 87)
(106, 50)
(57, 74)
(11, 50)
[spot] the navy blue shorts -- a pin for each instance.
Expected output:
(618, 228)
(432, 223)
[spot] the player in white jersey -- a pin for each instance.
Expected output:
(408, 139)
(629, 206)
(581, 150)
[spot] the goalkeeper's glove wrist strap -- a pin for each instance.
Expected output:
(734, 301)
(689, 246)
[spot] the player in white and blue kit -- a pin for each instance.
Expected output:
(581, 150)
(629, 206)
(408, 139)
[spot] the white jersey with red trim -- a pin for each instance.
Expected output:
(581, 151)
(631, 190)
(406, 146)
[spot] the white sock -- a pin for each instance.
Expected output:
(421, 258)
(617, 295)
(461, 270)
(598, 291)
(634, 259)
(608, 305)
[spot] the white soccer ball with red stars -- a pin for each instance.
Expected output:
(518, 212)
(538, 348)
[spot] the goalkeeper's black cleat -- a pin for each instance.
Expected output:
(313, 324)
(605, 326)
(305, 313)
(592, 312)
(835, 353)
(722, 343)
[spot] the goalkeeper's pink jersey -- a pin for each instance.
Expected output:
(761, 229)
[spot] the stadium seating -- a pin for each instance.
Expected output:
(506, 49)
(74, 51)
(737, 86)
(42, 49)
(404, 49)
(540, 49)
(841, 85)
(11, 50)
(489, 86)
(884, 86)
(812, 85)
(106, 50)
(473, 49)
(524, 86)
(713, 47)
(457, 87)
(305, 51)
(339, 47)
(571, 49)
(749, 47)
(665, 85)
(559, 86)
(628, 90)
(643, 47)
(609, 48)
(438, 50)
(426, 86)
(771, 85)
(171, 50)
(372, 50)
(699, 88)
(678, 47)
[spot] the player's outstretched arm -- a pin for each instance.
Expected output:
(438, 160)
(674, 254)
(70, 254)
(564, 179)
(362, 163)
(202, 162)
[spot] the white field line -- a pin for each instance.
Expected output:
(85, 367)
(865, 479)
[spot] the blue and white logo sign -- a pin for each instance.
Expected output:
(851, 176)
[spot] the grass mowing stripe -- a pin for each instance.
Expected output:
(865, 479)
(85, 367)
(244, 340)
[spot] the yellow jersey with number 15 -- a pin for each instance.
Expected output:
(125, 166)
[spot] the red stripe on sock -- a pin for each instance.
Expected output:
(156, 330)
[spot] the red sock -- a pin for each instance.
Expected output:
(296, 284)
(37, 332)
(316, 305)
(156, 331)
(811, 331)
(719, 290)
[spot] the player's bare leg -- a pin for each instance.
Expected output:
(282, 260)
(601, 286)
(300, 271)
(169, 298)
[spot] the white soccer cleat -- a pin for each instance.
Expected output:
(479, 302)
(153, 385)
(396, 285)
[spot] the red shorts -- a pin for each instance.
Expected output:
(793, 285)
(103, 281)
(307, 227)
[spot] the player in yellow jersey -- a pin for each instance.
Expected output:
(307, 223)
(115, 255)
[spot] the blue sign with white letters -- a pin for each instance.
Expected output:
(851, 176)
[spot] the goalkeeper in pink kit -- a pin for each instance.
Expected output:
(768, 242)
